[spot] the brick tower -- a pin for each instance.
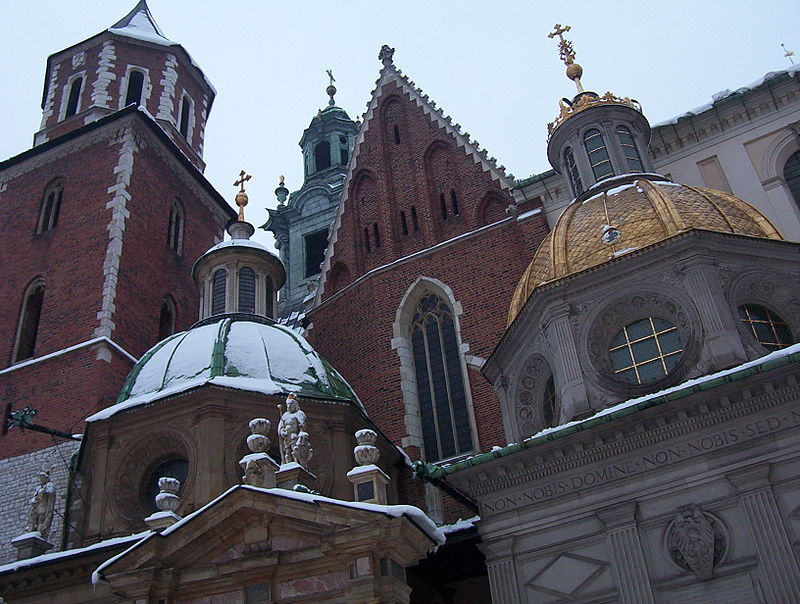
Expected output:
(99, 225)
(425, 223)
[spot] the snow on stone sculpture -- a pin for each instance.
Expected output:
(301, 449)
(259, 467)
(366, 453)
(42, 504)
(167, 499)
(292, 423)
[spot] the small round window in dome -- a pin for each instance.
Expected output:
(174, 468)
(645, 351)
(769, 329)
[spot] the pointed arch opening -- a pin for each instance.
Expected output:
(50, 206)
(166, 318)
(175, 229)
(74, 99)
(439, 417)
(28, 324)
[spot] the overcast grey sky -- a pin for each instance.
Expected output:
(489, 65)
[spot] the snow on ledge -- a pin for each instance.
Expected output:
(69, 553)
(460, 525)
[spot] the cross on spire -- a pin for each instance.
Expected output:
(330, 75)
(243, 178)
(566, 52)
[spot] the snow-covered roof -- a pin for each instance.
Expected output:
(71, 553)
(231, 351)
(722, 94)
(417, 516)
(237, 243)
(139, 24)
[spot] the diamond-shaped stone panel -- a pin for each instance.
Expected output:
(567, 574)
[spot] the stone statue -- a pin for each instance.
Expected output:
(692, 540)
(301, 449)
(292, 423)
(42, 504)
(366, 453)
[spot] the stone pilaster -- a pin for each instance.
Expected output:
(503, 581)
(773, 546)
(627, 555)
(723, 342)
(569, 378)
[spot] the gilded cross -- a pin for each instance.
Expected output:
(566, 51)
(330, 75)
(243, 178)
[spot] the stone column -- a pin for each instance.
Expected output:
(568, 378)
(210, 458)
(773, 546)
(722, 341)
(502, 572)
(627, 555)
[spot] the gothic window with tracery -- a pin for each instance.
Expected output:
(28, 326)
(441, 390)
(51, 205)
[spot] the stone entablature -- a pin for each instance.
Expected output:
(621, 510)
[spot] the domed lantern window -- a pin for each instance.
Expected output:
(645, 351)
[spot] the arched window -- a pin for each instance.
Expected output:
(396, 132)
(598, 154)
(218, 291)
(572, 171)
(454, 202)
(28, 325)
(269, 295)
(51, 204)
(645, 350)
(247, 290)
(446, 429)
(322, 155)
(166, 319)
(791, 174)
(629, 149)
(175, 231)
(186, 111)
(414, 219)
(443, 206)
(344, 153)
(73, 103)
(135, 87)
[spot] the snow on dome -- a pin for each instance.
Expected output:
(238, 351)
(237, 243)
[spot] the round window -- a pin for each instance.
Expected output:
(770, 330)
(173, 468)
(645, 351)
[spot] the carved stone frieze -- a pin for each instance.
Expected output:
(530, 389)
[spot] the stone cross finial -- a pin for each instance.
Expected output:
(42, 504)
(386, 54)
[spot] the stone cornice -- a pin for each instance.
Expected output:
(662, 424)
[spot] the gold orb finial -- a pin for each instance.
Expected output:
(241, 196)
(567, 54)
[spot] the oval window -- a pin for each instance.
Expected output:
(768, 328)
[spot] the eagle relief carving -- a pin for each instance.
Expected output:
(692, 541)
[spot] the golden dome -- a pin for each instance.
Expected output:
(633, 213)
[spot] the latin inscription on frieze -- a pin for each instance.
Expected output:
(601, 474)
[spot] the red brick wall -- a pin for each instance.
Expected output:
(354, 331)
(128, 53)
(70, 259)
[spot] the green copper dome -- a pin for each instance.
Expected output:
(237, 351)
